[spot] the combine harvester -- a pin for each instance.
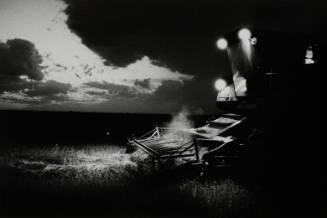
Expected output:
(268, 70)
(214, 142)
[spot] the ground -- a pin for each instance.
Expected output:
(105, 180)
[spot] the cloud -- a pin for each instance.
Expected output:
(146, 83)
(100, 93)
(21, 76)
(19, 58)
(169, 90)
(49, 88)
(114, 90)
(37, 92)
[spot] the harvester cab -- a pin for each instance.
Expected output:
(263, 66)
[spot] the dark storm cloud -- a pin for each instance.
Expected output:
(100, 93)
(21, 73)
(36, 92)
(181, 34)
(18, 58)
(49, 88)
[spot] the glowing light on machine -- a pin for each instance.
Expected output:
(244, 34)
(246, 41)
(222, 43)
(241, 54)
(309, 56)
(220, 84)
(253, 41)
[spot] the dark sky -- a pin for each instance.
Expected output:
(182, 34)
(179, 36)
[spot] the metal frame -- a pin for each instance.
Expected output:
(157, 142)
(152, 143)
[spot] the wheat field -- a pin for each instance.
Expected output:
(106, 180)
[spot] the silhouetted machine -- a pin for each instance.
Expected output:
(272, 86)
(271, 118)
(272, 78)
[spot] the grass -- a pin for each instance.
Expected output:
(105, 180)
(225, 198)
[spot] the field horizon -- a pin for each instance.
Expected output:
(32, 128)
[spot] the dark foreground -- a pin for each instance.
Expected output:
(105, 181)
(65, 164)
